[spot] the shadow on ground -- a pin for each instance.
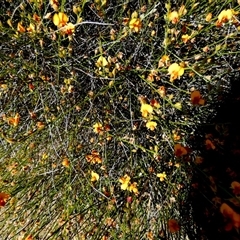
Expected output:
(211, 181)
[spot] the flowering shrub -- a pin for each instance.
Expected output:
(101, 106)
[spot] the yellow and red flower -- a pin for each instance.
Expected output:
(146, 109)
(125, 180)
(133, 188)
(173, 17)
(135, 24)
(175, 71)
(60, 19)
(98, 128)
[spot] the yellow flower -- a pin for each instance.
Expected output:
(178, 106)
(162, 176)
(101, 3)
(60, 19)
(175, 71)
(133, 188)
(94, 176)
(98, 128)
(101, 62)
(208, 17)
(173, 17)
(31, 28)
(65, 162)
(182, 10)
(125, 182)
(135, 24)
(151, 125)
(146, 109)
(176, 136)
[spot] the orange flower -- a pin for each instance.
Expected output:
(29, 237)
(36, 18)
(179, 150)
(65, 162)
(40, 125)
(235, 187)
(196, 98)
(3, 198)
(232, 218)
(94, 157)
(14, 121)
(173, 226)
(60, 19)
(209, 145)
(21, 28)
